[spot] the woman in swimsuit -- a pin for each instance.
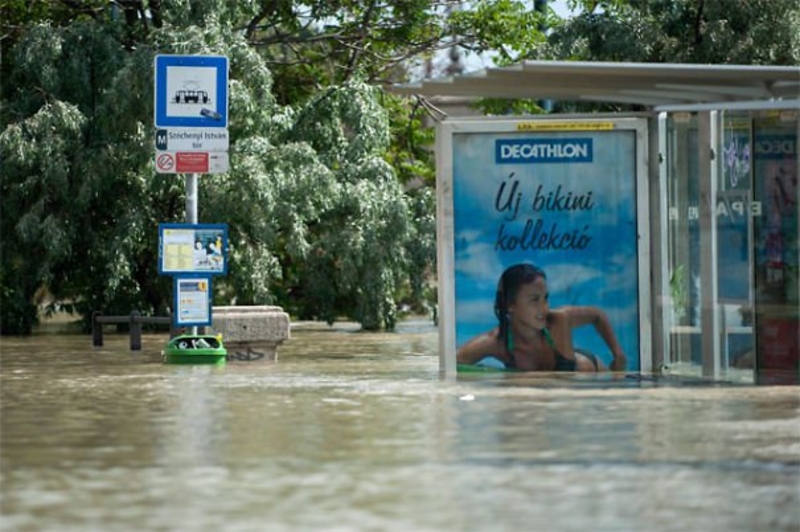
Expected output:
(533, 337)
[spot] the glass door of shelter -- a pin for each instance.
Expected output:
(735, 211)
(732, 283)
(682, 312)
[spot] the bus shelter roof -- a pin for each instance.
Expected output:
(653, 85)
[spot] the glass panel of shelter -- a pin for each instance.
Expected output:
(776, 256)
(682, 314)
(735, 212)
(754, 236)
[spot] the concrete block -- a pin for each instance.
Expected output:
(252, 332)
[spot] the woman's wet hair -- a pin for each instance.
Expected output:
(508, 287)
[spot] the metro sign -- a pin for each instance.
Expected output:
(192, 139)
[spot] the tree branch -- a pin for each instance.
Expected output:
(698, 23)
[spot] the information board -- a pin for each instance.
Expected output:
(193, 249)
(192, 301)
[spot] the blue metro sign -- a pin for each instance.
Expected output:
(191, 91)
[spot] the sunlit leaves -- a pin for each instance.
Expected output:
(344, 123)
(681, 31)
(318, 220)
(507, 28)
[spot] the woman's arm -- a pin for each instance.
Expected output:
(478, 347)
(579, 316)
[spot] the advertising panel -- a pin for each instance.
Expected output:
(563, 198)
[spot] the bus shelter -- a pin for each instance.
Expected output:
(687, 210)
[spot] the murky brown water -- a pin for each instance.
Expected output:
(357, 432)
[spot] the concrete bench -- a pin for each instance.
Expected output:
(252, 332)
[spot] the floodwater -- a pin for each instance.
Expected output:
(351, 431)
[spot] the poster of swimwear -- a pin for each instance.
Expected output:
(568, 196)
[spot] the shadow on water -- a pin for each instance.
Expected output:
(352, 431)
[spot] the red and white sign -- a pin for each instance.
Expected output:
(191, 162)
(165, 163)
(171, 162)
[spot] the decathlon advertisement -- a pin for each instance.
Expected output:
(563, 197)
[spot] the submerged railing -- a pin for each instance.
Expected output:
(135, 321)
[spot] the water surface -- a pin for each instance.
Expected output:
(351, 431)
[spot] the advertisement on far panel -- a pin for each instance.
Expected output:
(548, 270)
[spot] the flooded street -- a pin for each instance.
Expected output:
(352, 431)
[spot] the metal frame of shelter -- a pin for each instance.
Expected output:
(703, 92)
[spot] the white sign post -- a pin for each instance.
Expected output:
(191, 120)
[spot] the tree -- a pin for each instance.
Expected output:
(329, 214)
(67, 155)
(319, 221)
(756, 32)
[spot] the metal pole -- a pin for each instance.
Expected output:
(708, 145)
(97, 329)
(191, 207)
(136, 331)
(191, 198)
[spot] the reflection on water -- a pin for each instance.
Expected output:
(356, 431)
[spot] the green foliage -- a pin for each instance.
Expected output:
(681, 31)
(506, 28)
(409, 153)
(323, 208)
(673, 31)
(344, 124)
(420, 250)
(318, 220)
(505, 106)
(313, 45)
(36, 186)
